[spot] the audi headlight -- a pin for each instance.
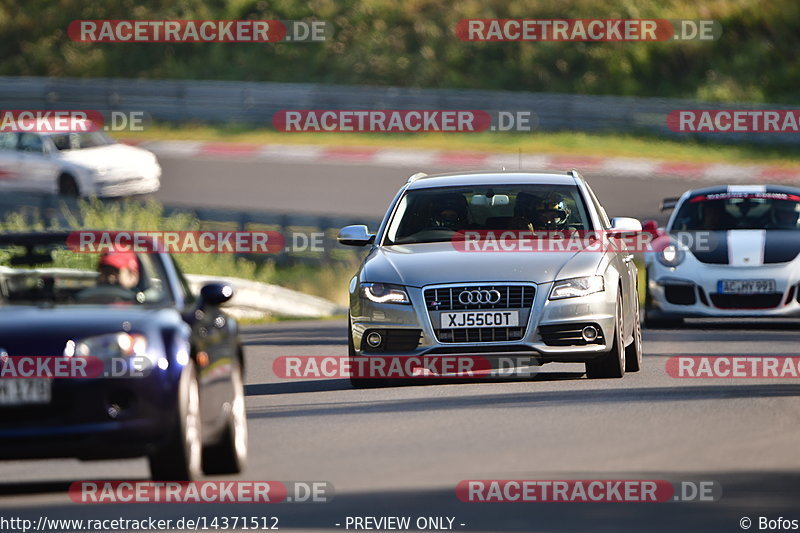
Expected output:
(571, 288)
(671, 256)
(383, 293)
(109, 346)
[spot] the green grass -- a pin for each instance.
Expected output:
(534, 143)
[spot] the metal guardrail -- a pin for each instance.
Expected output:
(255, 103)
(51, 211)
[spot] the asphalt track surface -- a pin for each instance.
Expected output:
(401, 451)
(355, 189)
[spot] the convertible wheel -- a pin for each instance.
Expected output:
(229, 455)
(360, 383)
(633, 353)
(181, 458)
(611, 365)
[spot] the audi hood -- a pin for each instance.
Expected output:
(417, 265)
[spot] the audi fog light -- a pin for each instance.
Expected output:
(571, 288)
(383, 293)
(374, 339)
(589, 333)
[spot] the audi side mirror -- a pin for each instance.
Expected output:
(625, 225)
(357, 235)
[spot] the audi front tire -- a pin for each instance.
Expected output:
(612, 364)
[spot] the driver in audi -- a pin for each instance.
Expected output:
(537, 213)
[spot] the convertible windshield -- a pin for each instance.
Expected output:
(437, 214)
(48, 274)
(731, 211)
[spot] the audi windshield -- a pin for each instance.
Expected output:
(436, 214)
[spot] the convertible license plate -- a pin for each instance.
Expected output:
(479, 319)
(29, 391)
(746, 286)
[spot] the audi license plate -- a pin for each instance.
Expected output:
(17, 391)
(479, 319)
(746, 286)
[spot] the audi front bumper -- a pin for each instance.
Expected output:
(546, 327)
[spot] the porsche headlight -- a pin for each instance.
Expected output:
(574, 287)
(671, 256)
(383, 293)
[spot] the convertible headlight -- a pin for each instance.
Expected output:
(571, 288)
(108, 346)
(383, 293)
(671, 256)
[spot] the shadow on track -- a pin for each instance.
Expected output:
(45, 487)
(534, 398)
(323, 385)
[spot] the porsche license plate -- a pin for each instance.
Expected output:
(479, 319)
(29, 391)
(746, 286)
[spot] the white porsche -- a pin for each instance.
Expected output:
(726, 251)
(75, 164)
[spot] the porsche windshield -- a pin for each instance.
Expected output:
(732, 211)
(436, 214)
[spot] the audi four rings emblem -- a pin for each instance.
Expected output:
(479, 297)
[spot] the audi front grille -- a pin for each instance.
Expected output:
(481, 297)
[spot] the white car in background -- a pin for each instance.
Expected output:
(727, 251)
(75, 164)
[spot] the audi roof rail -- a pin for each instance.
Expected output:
(574, 173)
(416, 176)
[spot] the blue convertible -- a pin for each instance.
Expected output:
(171, 387)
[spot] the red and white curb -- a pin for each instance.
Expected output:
(456, 160)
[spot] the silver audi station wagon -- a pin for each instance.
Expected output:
(427, 288)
